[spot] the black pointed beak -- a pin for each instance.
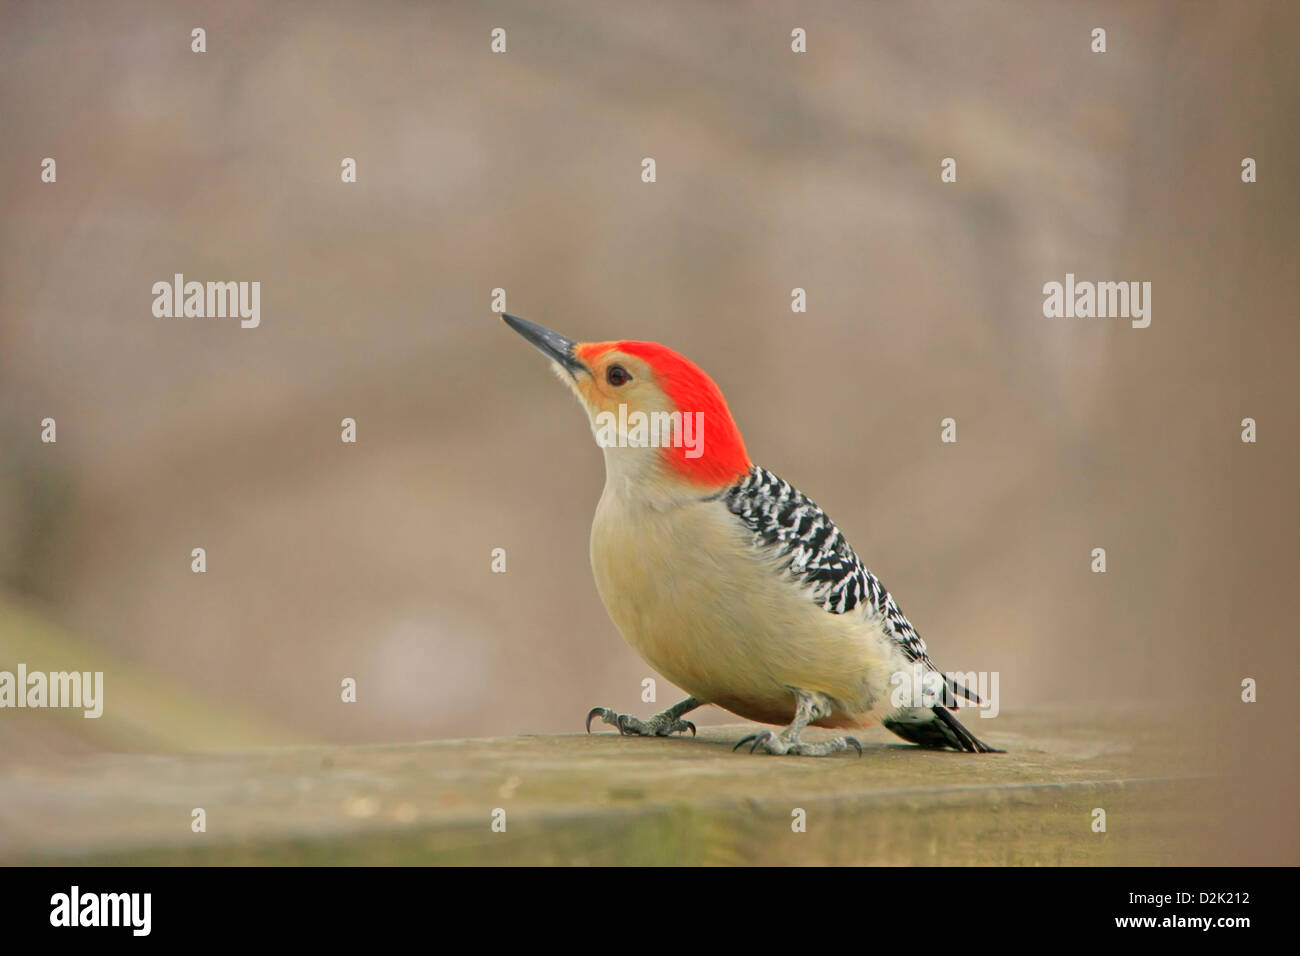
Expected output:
(553, 345)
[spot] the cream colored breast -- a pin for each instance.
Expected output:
(687, 590)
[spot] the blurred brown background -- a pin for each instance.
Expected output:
(522, 171)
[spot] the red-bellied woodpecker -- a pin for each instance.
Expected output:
(724, 578)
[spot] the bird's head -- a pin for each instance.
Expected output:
(654, 412)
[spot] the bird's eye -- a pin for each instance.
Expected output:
(617, 375)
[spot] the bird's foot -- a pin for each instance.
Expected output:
(660, 725)
(782, 743)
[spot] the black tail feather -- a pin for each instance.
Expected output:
(954, 690)
(942, 731)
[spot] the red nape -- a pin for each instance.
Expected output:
(723, 458)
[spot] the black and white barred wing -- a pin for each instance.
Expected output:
(787, 523)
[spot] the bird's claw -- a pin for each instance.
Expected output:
(602, 711)
(793, 745)
(629, 726)
(756, 738)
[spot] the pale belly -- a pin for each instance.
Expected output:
(707, 612)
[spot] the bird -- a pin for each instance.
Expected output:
(728, 580)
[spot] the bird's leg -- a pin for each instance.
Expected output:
(660, 725)
(809, 706)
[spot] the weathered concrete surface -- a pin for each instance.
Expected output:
(605, 799)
